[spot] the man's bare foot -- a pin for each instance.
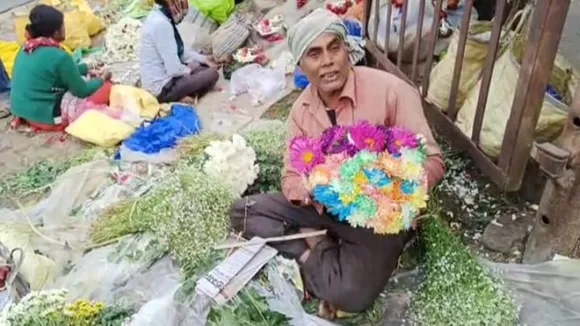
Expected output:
(326, 310)
(188, 100)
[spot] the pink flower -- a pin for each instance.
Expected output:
(305, 154)
(366, 136)
(400, 138)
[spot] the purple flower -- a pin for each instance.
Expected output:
(366, 136)
(330, 137)
(401, 138)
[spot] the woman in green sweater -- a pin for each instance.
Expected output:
(45, 77)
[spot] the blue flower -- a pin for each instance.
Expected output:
(377, 177)
(343, 211)
(325, 195)
(408, 187)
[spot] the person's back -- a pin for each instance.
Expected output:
(35, 83)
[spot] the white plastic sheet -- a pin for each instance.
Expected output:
(548, 293)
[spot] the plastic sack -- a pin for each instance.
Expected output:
(353, 27)
(98, 128)
(94, 25)
(300, 79)
(497, 111)
(218, 10)
(164, 132)
(36, 269)
(261, 83)
(135, 103)
(230, 36)
(395, 27)
(76, 29)
(8, 52)
(473, 59)
(547, 292)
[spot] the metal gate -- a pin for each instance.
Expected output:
(546, 26)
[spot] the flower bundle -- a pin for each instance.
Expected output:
(233, 162)
(369, 176)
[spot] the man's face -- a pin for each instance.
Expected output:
(325, 63)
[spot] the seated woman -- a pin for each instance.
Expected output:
(168, 70)
(45, 78)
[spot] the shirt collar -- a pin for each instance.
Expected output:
(316, 107)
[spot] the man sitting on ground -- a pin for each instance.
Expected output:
(349, 267)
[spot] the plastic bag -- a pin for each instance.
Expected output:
(218, 10)
(497, 110)
(165, 132)
(8, 52)
(230, 36)
(98, 128)
(261, 83)
(300, 79)
(196, 29)
(136, 103)
(473, 59)
(395, 26)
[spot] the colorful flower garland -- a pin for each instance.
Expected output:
(369, 176)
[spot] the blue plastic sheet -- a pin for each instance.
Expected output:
(4, 79)
(164, 132)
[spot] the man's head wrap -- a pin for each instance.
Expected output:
(312, 26)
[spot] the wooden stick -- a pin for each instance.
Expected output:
(273, 239)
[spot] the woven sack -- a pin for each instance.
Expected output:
(442, 74)
(499, 104)
(230, 36)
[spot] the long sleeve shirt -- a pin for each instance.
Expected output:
(369, 94)
(40, 79)
(158, 57)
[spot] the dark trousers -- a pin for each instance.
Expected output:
(201, 80)
(349, 268)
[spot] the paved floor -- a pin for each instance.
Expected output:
(6, 5)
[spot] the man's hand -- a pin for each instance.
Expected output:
(211, 62)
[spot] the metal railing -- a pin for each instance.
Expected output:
(546, 26)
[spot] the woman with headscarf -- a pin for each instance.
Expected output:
(45, 78)
(168, 70)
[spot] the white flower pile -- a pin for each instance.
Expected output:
(233, 162)
(122, 41)
(34, 307)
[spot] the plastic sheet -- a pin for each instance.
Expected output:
(102, 273)
(547, 292)
(284, 299)
(164, 132)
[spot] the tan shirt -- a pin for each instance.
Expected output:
(369, 94)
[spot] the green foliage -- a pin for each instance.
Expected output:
(455, 289)
(269, 144)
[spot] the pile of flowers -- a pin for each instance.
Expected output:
(50, 307)
(232, 161)
(369, 176)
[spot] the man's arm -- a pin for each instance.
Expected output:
(409, 113)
